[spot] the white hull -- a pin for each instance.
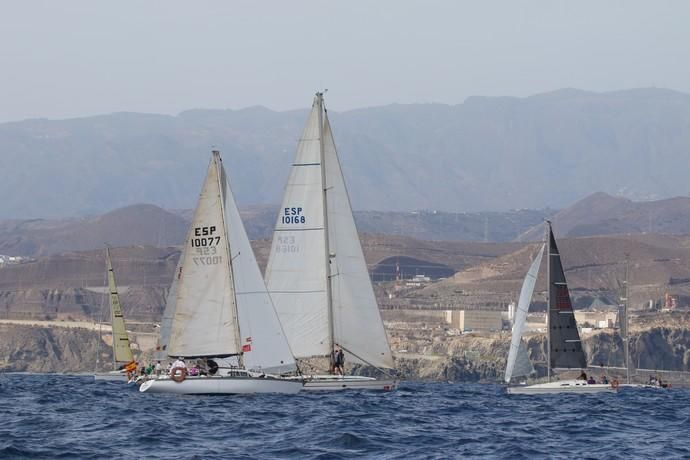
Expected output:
(561, 386)
(221, 385)
(641, 386)
(112, 376)
(348, 382)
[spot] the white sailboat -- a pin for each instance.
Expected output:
(316, 273)
(220, 313)
(564, 348)
(123, 361)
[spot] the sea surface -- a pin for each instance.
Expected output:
(55, 416)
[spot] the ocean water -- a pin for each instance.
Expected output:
(53, 416)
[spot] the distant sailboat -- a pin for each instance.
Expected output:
(316, 273)
(564, 348)
(123, 360)
(221, 314)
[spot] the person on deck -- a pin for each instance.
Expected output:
(591, 381)
(334, 359)
(340, 362)
(158, 368)
(582, 376)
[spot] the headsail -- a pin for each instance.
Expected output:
(169, 313)
(523, 366)
(296, 272)
(205, 320)
(357, 324)
(564, 339)
(263, 342)
(122, 353)
(517, 344)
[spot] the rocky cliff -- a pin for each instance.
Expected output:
(463, 359)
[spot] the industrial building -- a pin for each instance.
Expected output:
(474, 320)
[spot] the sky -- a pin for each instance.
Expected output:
(78, 58)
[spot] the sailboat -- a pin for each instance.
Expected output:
(123, 361)
(564, 347)
(624, 324)
(221, 315)
(316, 273)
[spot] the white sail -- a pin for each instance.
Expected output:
(357, 324)
(264, 344)
(521, 315)
(169, 313)
(523, 366)
(296, 271)
(205, 319)
(122, 352)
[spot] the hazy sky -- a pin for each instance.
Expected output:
(73, 58)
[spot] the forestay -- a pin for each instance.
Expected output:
(516, 344)
(122, 352)
(357, 324)
(205, 320)
(296, 272)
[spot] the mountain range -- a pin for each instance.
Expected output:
(486, 154)
(149, 225)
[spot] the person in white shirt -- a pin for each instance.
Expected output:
(158, 368)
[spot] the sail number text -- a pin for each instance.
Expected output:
(203, 237)
(293, 216)
(286, 244)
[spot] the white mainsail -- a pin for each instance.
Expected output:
(205, 320)
(122, 352)
(357, 324)
(296, 273)
(518, 351)
(316, 314)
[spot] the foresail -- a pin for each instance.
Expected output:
(296, 271)
(521, 318)
(357, 324)
(205, 322)
(122, 353)
(169, 312)
(564, 339)
(263, 341)
(523, 366)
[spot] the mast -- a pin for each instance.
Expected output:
(548, 300)
(625, 325)
(324, 186)
(221, 189)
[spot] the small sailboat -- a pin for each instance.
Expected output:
(316, 273)
(221, 315)
(624, 324)
(123, 360)
(564, 348)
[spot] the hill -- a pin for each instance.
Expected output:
(149, 225)
(594, 267)
(603, 214)
(490, 154)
